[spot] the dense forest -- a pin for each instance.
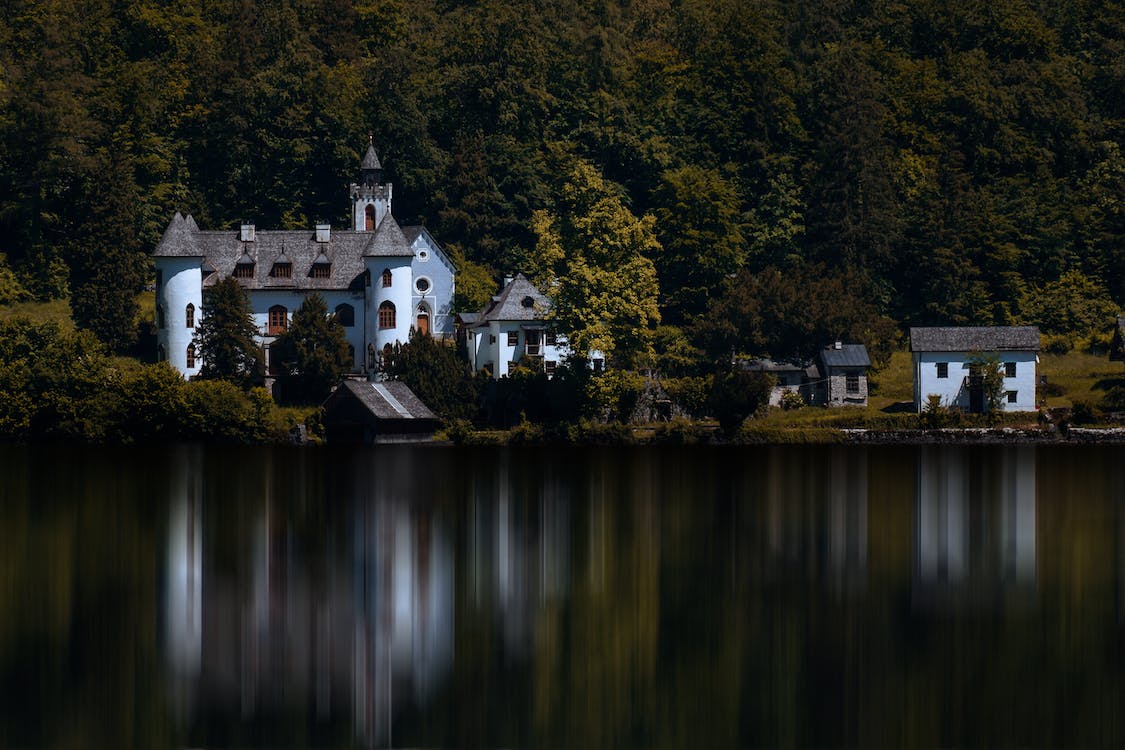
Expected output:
(723, 174)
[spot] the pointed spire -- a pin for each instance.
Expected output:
(371, 170)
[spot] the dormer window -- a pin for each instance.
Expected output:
(282, 270)
(321, 271)
(244, 271)
(528, 302)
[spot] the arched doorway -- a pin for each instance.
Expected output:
(422, 323)
(369, 218)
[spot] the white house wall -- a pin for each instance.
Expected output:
(431, 263)
(179, 287)
(261, 300)
(926, 381)
(399, 294)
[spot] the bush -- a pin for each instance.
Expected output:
(688, 394)
(1057, 344)
(791, 399)
(1082, 412)
(1114, 399)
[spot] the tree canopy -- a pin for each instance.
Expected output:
(313, 352)
(949, 156)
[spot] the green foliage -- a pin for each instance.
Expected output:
(436, 375)
(11, 290)
(475, 284)
(1073, 305)
(613, 394)
(688, 394)
(956, 159)
(225, 336)
(791, 399)
(737, 396)
(592, 256)
(313, 352)
(1113, 400)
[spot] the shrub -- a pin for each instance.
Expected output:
(791, 399)
(1082, 412)
(1114, 399)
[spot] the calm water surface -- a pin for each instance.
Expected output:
(441, 597)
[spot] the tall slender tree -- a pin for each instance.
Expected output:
(225, 337)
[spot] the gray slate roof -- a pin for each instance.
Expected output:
(774, 366)
(975, 339)
(848, 355)
(519, 300)
(345, 250)
(389, 399)
(370, 159)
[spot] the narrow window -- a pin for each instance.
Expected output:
(598, 364)
(345, 313)
(161, 355)
(189, 316)
(492, 338)
(943, 369)
(1009, 369)
(369, 218)
(852, 380)
(191, 356)
(552, 338)
(1012, 397)
(159, 316)
(550, 366)
(159, 277)
(351, 355)
(386, 277)
(386, 315)
(279, 320)
(513, 338)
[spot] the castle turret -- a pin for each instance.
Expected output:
(371, 197)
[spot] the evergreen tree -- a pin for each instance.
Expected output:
(435, 373)
(314, 351)
(225, 337)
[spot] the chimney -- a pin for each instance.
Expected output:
(247, 233)
(839, 344)
(508, 279)
(323, 232)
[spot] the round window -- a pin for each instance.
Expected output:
(422, 284)
(423, 255)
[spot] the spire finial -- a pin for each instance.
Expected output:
(370, 138)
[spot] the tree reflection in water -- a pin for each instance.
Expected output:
(561, 597)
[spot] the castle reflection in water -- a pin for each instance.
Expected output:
(345, 603)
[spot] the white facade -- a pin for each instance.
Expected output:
(947, 375)
(501, 344)
(179, 283)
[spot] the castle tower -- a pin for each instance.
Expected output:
(371, 198)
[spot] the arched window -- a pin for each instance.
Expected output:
(279, 320)
(159, 316)
(189, 316)
(345, 313)
(423, 321)
(191, 356)
(369, 218)
(386, 277)
(386, 315)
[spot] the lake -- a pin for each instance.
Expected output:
(223, 596)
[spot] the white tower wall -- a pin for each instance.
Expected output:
(181, 285)
(398, 294)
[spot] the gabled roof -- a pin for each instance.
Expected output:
(224, 249)
(388, 399)
(848, 355)
(975, 339)
(519, 300)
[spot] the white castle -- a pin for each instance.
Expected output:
(378, 278)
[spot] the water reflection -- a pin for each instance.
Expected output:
(974, 523)
(567, 597)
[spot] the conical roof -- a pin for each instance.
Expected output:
(370, 159)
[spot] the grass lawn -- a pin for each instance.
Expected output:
(57, 310)
(1081, 376)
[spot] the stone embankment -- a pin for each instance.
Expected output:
(986, 436)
